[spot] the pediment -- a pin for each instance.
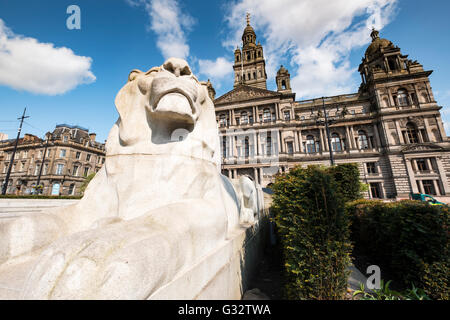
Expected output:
(421, 147)
(245, 93)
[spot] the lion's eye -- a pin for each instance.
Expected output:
(185, 71)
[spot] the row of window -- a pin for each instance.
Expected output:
(311, 146)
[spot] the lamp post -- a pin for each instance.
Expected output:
(5, 185)
(327, 122)
(42, 164)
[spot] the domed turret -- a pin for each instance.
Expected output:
(283, 80)
(377, 44)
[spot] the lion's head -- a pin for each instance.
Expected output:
(165, 110)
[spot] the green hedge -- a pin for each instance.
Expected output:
(314, 233)
(35, 196)
(348, 184)
(408, 239)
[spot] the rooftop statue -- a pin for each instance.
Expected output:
(158, 205)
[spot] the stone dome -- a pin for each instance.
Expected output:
(377, 44)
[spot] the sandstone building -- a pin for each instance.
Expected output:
(391, 127)
(71, 155)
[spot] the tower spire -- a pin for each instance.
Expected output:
(248, 18)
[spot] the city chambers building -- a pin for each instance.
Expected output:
(391, 127)
(59, 164)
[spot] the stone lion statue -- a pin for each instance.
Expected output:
(157, 206)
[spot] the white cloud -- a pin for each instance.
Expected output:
(216, 70)
(30, 65)
(316, 37)
(170, 25)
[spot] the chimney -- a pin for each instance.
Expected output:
(92, 136)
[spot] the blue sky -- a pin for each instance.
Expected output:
(72, 76)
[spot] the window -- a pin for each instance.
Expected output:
(362, 140)
(336, 144)
(411, 133)
(59, 169)
(86, 171)
(222, 121)
(62, 153)
(88, 157)
(371, 168)
(22, 166)
(246, 147)
(290, 147)
(375, 190)
(287, 116)
(41, 154)
(75, 171)
(428, 187)
(402, 98)
(266, 115)
(302, 118)
(250, 119)
(78, 155)
(353, 113)
(421, 165)
(310, 145)
(25, 154)
(37, 169)
(269, 146)
(244, 118)
(72, 189)
(224, 147)
(65, 138)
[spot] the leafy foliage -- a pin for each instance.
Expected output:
(314, 233)
(86, 182)
(385, 293)
(409, 239)
(348, 184)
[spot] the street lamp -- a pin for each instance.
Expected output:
(327, 122)
(49, 137)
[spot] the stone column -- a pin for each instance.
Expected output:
(441, 127)
(255, 174)
(377, 136)
(427, 129)
(322, 144)
(352, 136)
(296, 144)
(436, 188)
(260, 175)
(278, 142)
(443, 176)
(399, 132)
(233, 119)
(300, 140)
(350, 141)
(410, 172)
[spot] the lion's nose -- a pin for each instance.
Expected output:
(178, 67)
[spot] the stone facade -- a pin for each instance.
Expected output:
(391, 127)
(72, 154)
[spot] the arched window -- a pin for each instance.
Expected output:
(411, 133)
(402, 97)
(336, 144)
(310, 145)
(362, 140)
(244, 118)
(266, 115)
(254, 75)
(283, 85)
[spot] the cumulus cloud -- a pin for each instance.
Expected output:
(315, 37)
(169, 24)
(216, 70)
(30, 65)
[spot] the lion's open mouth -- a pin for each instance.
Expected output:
(178, 106)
